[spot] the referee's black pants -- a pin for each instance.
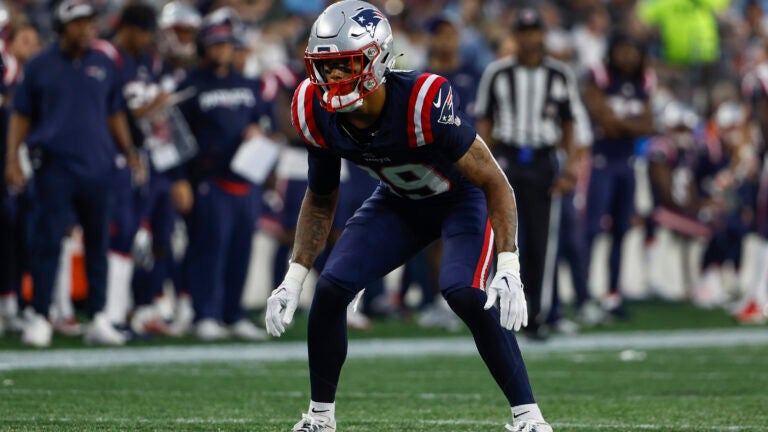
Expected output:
(531, 174)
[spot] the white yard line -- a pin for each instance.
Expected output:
(374, 348)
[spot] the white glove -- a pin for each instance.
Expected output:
(508, 288)
(282, 304)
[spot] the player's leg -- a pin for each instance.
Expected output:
(599, 194)
(622, 209)
(236, 269)
(468, 250)
(123, 227)
(377, 239)
(154, 311)
(93, 204)
(7, 258)
(51, 212)
(206, 258)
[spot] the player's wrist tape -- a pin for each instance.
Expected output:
(508, 261)
(297, 272)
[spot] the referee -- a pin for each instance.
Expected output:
(528, 106)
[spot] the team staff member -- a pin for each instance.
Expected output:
(224, 113)
(529, 104)
(69, 110)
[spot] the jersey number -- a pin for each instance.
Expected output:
(414, 181)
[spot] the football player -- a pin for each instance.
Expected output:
(618, 98)
(438, 180)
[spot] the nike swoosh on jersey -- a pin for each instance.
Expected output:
(439, 99)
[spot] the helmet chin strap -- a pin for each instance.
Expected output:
(344, 103)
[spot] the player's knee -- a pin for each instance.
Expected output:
(328, 294)
(466, 301)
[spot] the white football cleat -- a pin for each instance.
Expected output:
(440, 316)
(246, 330)
(185, 315)
(310, 423)
(37, 331)
(529, 426)
(101, 332)
(210, 330)
(356, 319)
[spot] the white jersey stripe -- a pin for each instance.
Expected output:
(418, 127)
(301, 111)
(487, 261)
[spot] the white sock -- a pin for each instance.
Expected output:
(321, 409)
(760, 284)
(526, 412)
(119, 273)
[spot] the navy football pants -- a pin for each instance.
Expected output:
(219, 251)
(382, 235)
(57, 194)
(611, 194)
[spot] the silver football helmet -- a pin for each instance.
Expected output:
(354, 36)
(174, 16)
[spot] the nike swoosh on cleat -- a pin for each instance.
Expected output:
(439, 97)
(518, 415)
(319, 412)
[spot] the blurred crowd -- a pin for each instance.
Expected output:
(182, 219)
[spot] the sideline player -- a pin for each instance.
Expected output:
(618, 98)
(403, 128)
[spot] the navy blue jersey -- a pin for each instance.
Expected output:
(627, 98)
(412, 148)
(139, 76)
(218, 115)
(68, 102)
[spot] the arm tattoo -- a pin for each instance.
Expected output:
(479, 167)
(313, 226)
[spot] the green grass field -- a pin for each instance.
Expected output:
(670, 390)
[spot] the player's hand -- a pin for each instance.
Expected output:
(138, 168)
(182, 197)
(563, 184)
(507, 287)
(282, 304)
(14, 176)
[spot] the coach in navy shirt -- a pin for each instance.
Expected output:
(69, 110)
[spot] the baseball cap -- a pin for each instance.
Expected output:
(70, 10)
(528, 19)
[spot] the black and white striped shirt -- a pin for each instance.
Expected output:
(528, 105)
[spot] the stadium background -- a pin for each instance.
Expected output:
(682, 387)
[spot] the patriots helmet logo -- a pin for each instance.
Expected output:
(368, 19)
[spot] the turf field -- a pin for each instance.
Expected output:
(684, 381)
